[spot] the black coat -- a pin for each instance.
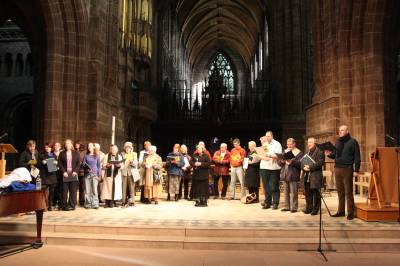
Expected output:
(291, 172)
(25, 157)
(47, 178)
(200, 172)
(315, 176)
(62, 164)
(252, 176)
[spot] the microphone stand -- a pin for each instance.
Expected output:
(398, 181)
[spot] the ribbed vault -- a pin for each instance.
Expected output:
(215, 24)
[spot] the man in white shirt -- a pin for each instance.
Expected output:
(270, 170)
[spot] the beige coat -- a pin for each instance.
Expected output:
(106, 188)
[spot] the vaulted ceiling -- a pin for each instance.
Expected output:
(215, 24)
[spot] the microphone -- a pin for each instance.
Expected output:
(390, 137)
(4, 135)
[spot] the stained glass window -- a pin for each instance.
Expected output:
(225, 69)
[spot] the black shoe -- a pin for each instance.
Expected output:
(285, 210)
(197, 204)
(66, 209)
(176, 197)
(350, 217)
(168, 197)
(275, 207)
(339, 214)
(314, 212)
(266, 206)
(306, 211)
(293, 211)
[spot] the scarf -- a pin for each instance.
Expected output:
(340, 144)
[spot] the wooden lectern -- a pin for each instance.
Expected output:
(383, 198)
(5, 148)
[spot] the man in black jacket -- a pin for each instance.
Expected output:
(346, 155)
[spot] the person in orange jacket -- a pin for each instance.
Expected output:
(236, 160)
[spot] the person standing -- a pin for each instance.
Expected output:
(270, 170)
(58, 194)
(347, 163)
(237, 156)
(69, 163)
(152, 165)
(186, 173)
(92, 176)
(142, 156)
(128, 182)
(112, 185)
(252, 175)
(49, 179)
(174, 164)
(29, 159)
(221, 161)
(290, 175)
(80, 148)
(313, 179)
(200, 163)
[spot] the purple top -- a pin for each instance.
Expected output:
(94, 163)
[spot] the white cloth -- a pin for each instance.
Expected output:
(19, 174)
(274, 147)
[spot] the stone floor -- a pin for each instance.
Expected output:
(87, 256)
(219, 213)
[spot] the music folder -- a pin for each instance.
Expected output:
(307, 160)
(326, 146)
(51, 166)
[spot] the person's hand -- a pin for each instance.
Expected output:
(327, 153)
(65, 174)
(44, 162)
(55, 162)
(356, 174)
(197, 163)
(288, 162)
(306, 168)
(74, 174)
(173, 161)
(108, 165)
(119, 165)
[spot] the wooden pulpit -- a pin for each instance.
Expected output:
(383, 198)
(5, 148)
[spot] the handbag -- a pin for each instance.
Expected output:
(156, 176)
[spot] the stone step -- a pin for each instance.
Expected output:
(268, 232)
(341, 244)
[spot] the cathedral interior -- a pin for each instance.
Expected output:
(180, 71)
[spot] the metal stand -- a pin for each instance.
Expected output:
(398, 181)
(319, 248)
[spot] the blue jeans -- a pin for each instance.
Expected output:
(270, 180)
(91, 194)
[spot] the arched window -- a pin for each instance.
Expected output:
(225, 68)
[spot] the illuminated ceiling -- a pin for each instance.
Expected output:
(215, 24)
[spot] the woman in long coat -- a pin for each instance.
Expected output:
(201, 164)
(252, 175)
(152, 165)
(112, 185)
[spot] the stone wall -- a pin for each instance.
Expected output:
(356, 44)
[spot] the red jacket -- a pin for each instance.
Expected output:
(237, 157)
(206, 152)
(221, 164)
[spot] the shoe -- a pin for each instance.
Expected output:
(350, 217)
(96, 208)
(262, 203)
(256, 201)
(266, 206)
(66, 209)
(314, 213)
(176, 198)
(275, 207)
(168, 197)
(339, 214)
(49, 208)
(197, 204)
(230, 198)
(293, 211)
(306, 211)
(215, 197)
(285, 210)
(147, 201)
(156, 202)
